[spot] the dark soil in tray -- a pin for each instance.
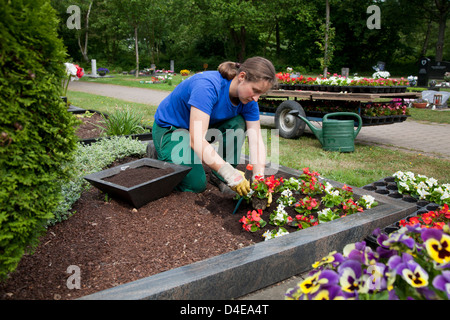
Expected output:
(113, 243)
(133, 176)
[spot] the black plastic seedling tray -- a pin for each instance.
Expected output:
(143, 193)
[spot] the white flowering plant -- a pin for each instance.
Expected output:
(287, 198)
(73, 72)
(381, 74)
(271, 234)
(327, 215)
(422, 187)
(367, 201)
(279, 217)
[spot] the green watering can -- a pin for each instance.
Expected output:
(335, 135)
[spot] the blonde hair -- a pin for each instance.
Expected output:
(255, 68)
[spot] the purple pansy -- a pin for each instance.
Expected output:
(442, 282)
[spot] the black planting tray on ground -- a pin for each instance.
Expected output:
(387, 186)
(143, 193)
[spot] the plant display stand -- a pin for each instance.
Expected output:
(291, 127)
(246, 270)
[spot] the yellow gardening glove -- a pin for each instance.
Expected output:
(269, 199)
(235, 179)
(243, 187)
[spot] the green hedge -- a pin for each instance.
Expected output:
(36, 131)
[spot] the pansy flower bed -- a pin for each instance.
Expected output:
(412, 263)
(297, 203)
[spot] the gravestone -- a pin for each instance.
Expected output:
(345, 72)
(438, 69)
(94, 67)
(431, 70)
(422, 79)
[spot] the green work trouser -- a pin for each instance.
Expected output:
(173, 145)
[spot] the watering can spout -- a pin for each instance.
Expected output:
(316, 131)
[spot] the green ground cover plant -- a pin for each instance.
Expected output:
(89, 159)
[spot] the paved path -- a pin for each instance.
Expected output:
(140, 95)
(412, 136)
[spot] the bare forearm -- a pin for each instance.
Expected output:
(206, 152)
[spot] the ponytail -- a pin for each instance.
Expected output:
(229, 69)
(256, 69)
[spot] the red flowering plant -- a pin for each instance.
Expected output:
(307, 205)
(350, 207)
(346, 192)
(284, 77)
(431, 219)
(304, 221)
(299, 202)
(253, 221)
(310, 184)
(263, 187)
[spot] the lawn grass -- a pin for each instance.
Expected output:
(437, 116)
(132, 81)
(108, 104)
(359, 168)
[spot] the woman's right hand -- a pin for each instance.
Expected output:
(235, 179)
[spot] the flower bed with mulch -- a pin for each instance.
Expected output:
(113, 243)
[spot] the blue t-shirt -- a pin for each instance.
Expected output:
(207, 91)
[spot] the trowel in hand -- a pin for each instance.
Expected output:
(248, 175)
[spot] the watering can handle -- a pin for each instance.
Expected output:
(325, 117)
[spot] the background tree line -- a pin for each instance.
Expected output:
(122, 34)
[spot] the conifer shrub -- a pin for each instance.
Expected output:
(36, 130)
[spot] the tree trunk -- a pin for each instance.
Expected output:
(327, 30)
(443, 8)
(137, 50)
(240, 42)
(427, 39)
(278, 41)
(86, 36)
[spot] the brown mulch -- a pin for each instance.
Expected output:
(113, 243)
(89, 128)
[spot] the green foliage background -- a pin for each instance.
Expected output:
(37, 133)
(288, 32)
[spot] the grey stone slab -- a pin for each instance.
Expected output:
(246, 270)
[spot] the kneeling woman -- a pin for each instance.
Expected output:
(211, 102)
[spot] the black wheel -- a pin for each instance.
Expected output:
(290, 126)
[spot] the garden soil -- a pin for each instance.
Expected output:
(112, 243)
